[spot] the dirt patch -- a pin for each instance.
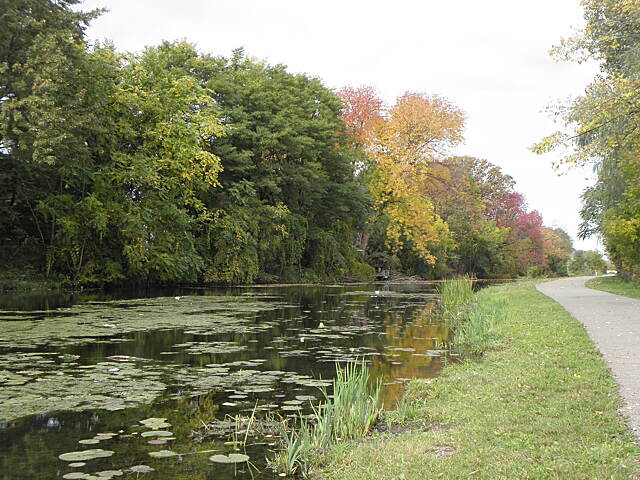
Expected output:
(396, 429)
(442, 451)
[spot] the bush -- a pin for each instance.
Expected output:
(363, 272)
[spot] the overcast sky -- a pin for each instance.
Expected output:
(489, 57)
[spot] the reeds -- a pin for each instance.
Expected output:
(349, 413)
(472, 322)
(355, 405)
(478, 333)
(456, 296)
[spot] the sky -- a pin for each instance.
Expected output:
(490, 58)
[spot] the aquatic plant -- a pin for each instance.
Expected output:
(85, 455)
(456, 295)
(242, 429)
(293, 455)
(231, 458)
(349, 413)
(355, 405)
(162, 454)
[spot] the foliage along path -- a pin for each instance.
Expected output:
(613, 323)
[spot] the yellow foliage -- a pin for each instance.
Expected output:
(406, 150)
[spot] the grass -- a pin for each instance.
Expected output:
(471, 317)
(540, 405)
(348, 414)
(615, 285)
(455, 297)
(478, 333)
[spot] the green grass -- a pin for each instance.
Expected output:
(455, 296)
(542, 405)
(615, 285)
(478, 333)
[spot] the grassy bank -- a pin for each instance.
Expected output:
(540, 404)
(615, 285)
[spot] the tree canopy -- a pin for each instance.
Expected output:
(602, 128)
(175, 165)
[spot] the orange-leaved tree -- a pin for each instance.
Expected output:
(407, 150)
(361, 111)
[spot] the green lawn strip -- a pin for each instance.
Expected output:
(542, 405)
(615, 285)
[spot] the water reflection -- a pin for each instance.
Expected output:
(218, 353)
(414, 350)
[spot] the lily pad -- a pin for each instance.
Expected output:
(305, 398)
(162, 454)
(79, 476)
(109, 473)
(291, 408)
(231, 458)
(77, 464)
(157, 433)
(85, 455)
(142, 469)
(89, 441)
(155, 423)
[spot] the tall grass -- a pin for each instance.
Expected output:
(472, 322)
(349, 413)
(478, 334)
(456, 296)
(293, 456)
(355, 405)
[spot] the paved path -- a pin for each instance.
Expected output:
(613, 323)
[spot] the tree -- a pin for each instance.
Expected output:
(48, 118)
(602, 128)
(557, 248)
(465, 197)
(525, 242)
(110, 161)
(361, 111)
(158, 163)
(407, 146)
(587, 262)
(290, 204)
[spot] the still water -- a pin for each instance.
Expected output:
(103, 370)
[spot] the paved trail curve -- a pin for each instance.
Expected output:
(613, 323)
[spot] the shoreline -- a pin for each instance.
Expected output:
(540, 405)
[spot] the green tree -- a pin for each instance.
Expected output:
(290, 204)
(107, 155)
(603, 128)
(48, 117)
(587, 262)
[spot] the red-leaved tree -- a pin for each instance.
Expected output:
(525, 241)
(362, 110)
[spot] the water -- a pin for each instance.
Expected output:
(73, 367)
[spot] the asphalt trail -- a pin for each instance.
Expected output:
(613, 323)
